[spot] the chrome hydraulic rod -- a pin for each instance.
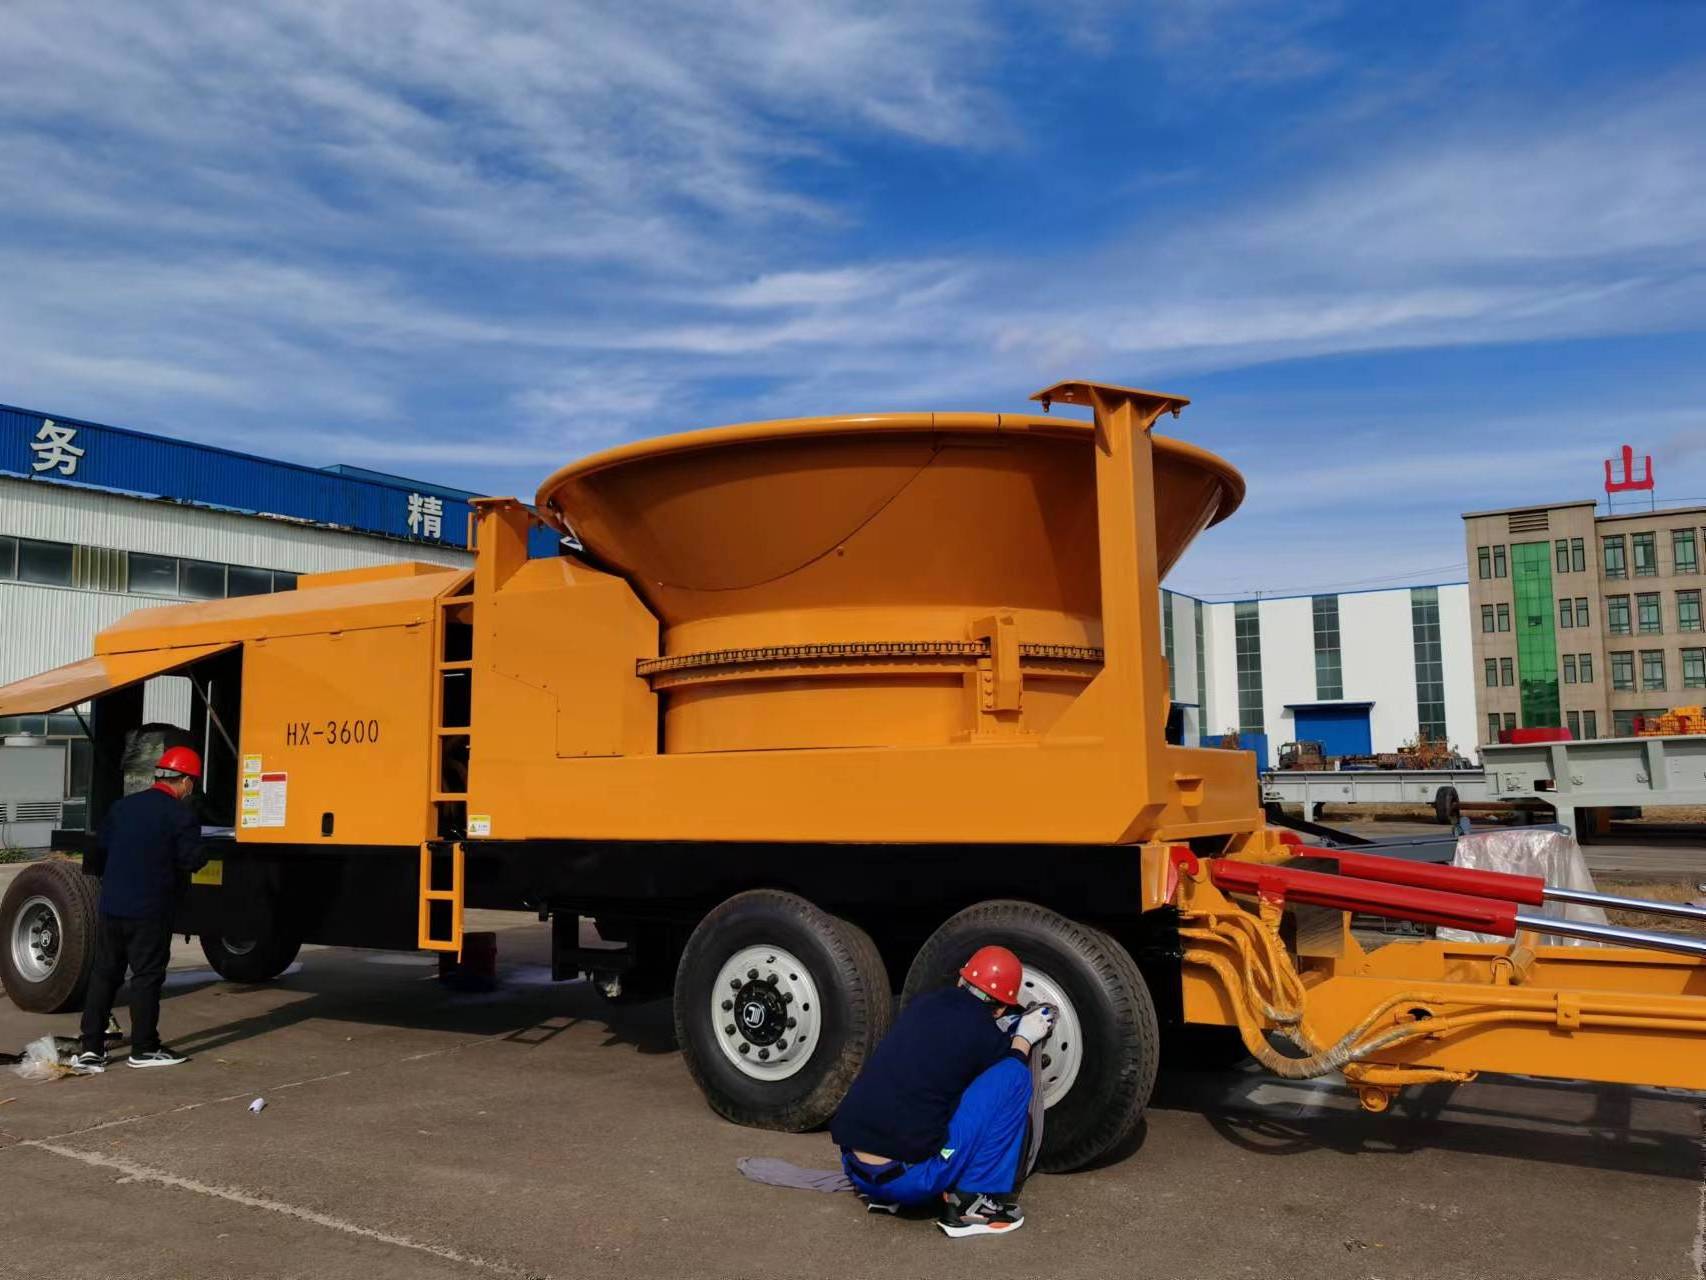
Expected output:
(1614, 934)
(1615, 902)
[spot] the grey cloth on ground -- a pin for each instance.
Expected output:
(774, 1172)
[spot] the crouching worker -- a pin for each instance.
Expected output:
(940, 1111)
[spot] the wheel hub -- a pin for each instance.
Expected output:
(36, 935)
(1063, 1051)
(765, 1012)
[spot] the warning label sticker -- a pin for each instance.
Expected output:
(273, 792)
(479, 824)
(251, 764)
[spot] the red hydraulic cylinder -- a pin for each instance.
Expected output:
(1346, 893)
(1528, 890)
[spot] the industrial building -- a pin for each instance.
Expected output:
(96, 521)
(1584, 620)
(1360, 672)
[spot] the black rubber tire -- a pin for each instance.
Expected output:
(264, 961)
(1122, 1040)
(1446, 806)
(73, 896)
(852, 984)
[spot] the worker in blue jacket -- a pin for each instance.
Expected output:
(940, 1110)
(153, 844)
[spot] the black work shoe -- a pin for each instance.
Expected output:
(978, 1215)
(89, 1064)
(161, 1057)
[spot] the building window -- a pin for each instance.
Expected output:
(1504, 611)
(1565, 613)
(153, 575)
(1490, 668)
(1563, 549)
(1484, 561)
(1684, 554)
(1694, 668)
(1647, 613)
(244, 581)
(1499, 561)
(97, 569)
(1652, 668)
(1623, 670)
(8, 558)
(1329, 667)
(1507, 669)
(1486, 617)
(48, 563)
(1510, 719)
(1430, 664)
(283, 581)
(1575, 723)
(1646, 555)
(1581, 611)
(1590, 724)
(1615, 564)
(1688, 610)
(1569, 668)
(1166, 642)
(1247, 648)
(1202, 665)
(1536, 634)
(202, 580)
(1584, 664)
(1617, 615)
(1492, 726)
(1578, 557)
(1623, 724)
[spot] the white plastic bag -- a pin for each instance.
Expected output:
(1530, 851)
(41, 1061)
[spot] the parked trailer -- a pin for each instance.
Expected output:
(822, 703)
(1445, 790)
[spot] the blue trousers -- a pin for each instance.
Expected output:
(985, 1143)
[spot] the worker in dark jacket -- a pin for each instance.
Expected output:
(153, 844)
(940, 1110)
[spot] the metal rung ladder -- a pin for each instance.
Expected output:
(431, 894)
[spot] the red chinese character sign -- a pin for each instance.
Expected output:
(1630, 481)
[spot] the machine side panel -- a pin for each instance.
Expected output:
(336, 738)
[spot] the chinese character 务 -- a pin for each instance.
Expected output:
(426, 515)
(54, 450)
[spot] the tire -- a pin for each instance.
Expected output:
(47, 936)
(259, 961)
(1100, 1104)
(1446, 806)
(810, 1056)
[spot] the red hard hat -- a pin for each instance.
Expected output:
(996, 972)
(181, 760)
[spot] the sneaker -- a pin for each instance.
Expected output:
(89, 1064)
(161, 1057)
(877, 1206)
(978, 1215)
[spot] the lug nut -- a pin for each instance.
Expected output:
(729, 1030)
(745, 1047)
(752, 973)
(790, 1024)
(770, 978)
(727, 1005)
(734, 984)
(781, 1045)
(764, 1053)
(1047, 1061)
(787, 997)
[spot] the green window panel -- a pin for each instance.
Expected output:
(1202, 673)
(1536, 634)
(1329, 668)
(1167, 643)
(1430, 663)
(1247, 650)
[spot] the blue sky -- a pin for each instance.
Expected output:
(1408, 260)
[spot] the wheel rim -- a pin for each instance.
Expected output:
(1063, 1051)
(36, 936)
(235, 949)
(765, 1012)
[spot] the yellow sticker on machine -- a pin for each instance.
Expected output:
(213, 873)
(251, 764)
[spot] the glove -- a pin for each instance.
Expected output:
(1036, 1024)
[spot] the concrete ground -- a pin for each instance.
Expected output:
(414, 1132)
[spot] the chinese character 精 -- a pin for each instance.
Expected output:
(54, 450)
(426, 515)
